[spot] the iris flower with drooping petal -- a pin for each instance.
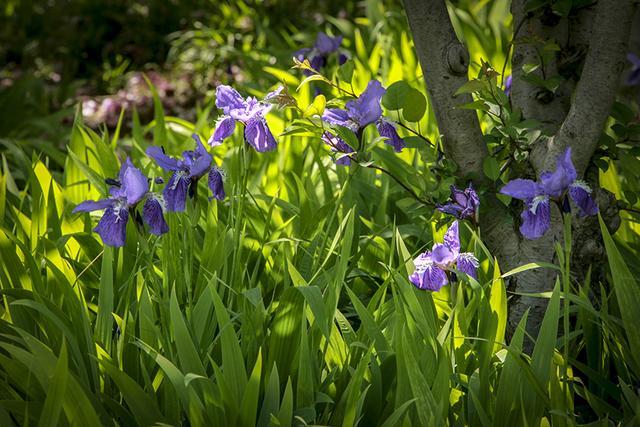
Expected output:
(359, 112)
(462, 204)
(536, 217)
(186, 173)
(363, 111)
(126, 192)
(318, 55)
(432, 266)
(249, 112)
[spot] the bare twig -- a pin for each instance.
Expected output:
(418, 134)
(510, 47)
(629, 209)
(403, 185)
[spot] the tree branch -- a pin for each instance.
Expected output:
(596, 90)
(444, 61)
(534, 101)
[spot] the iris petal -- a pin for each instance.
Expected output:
(270, 96)
(468, 263)
(93, 205)
(522, 189)
(336, 116)
(216, 184)
(175, 192)
(252, 109)
(581, 195)
(327, 44)
(536, 219)
(462, 204)
(164, 161)
(459, 196)
(317, 62)
(422, 261)
(227, 99)
(474, 200)
(634, 76)
(388, 130)
(558, 181)
(433, 278)
(224, 129)
(427, 275)
(124, 168)
(338, 146)
(153, 215)
(201, 159)
(366, 108)
(134, 185)
(257, 134)
(507, 84)
(112, 227)
(634, 59)
(443, 255)
(452, 239)
(451, 209)
(301, 54)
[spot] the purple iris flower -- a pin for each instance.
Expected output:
(463, 204)
(536, 217)
(432, 266)
(634, 75)
(318, 54)
(363, 111)
(507, 84)
(126, 192)
(338, 146)
(186, 173)
(249, 112)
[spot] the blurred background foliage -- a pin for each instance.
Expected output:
(58, 54)
(84, 39)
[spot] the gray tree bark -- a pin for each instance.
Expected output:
(596, 90)
(534, 101)
(574, 115)
(445, 61)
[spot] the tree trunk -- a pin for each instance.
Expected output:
(595, 36)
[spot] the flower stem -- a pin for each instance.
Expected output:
(510, 47)
(566, 282)
(629, 209)
(418, 134)
(403, 185)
